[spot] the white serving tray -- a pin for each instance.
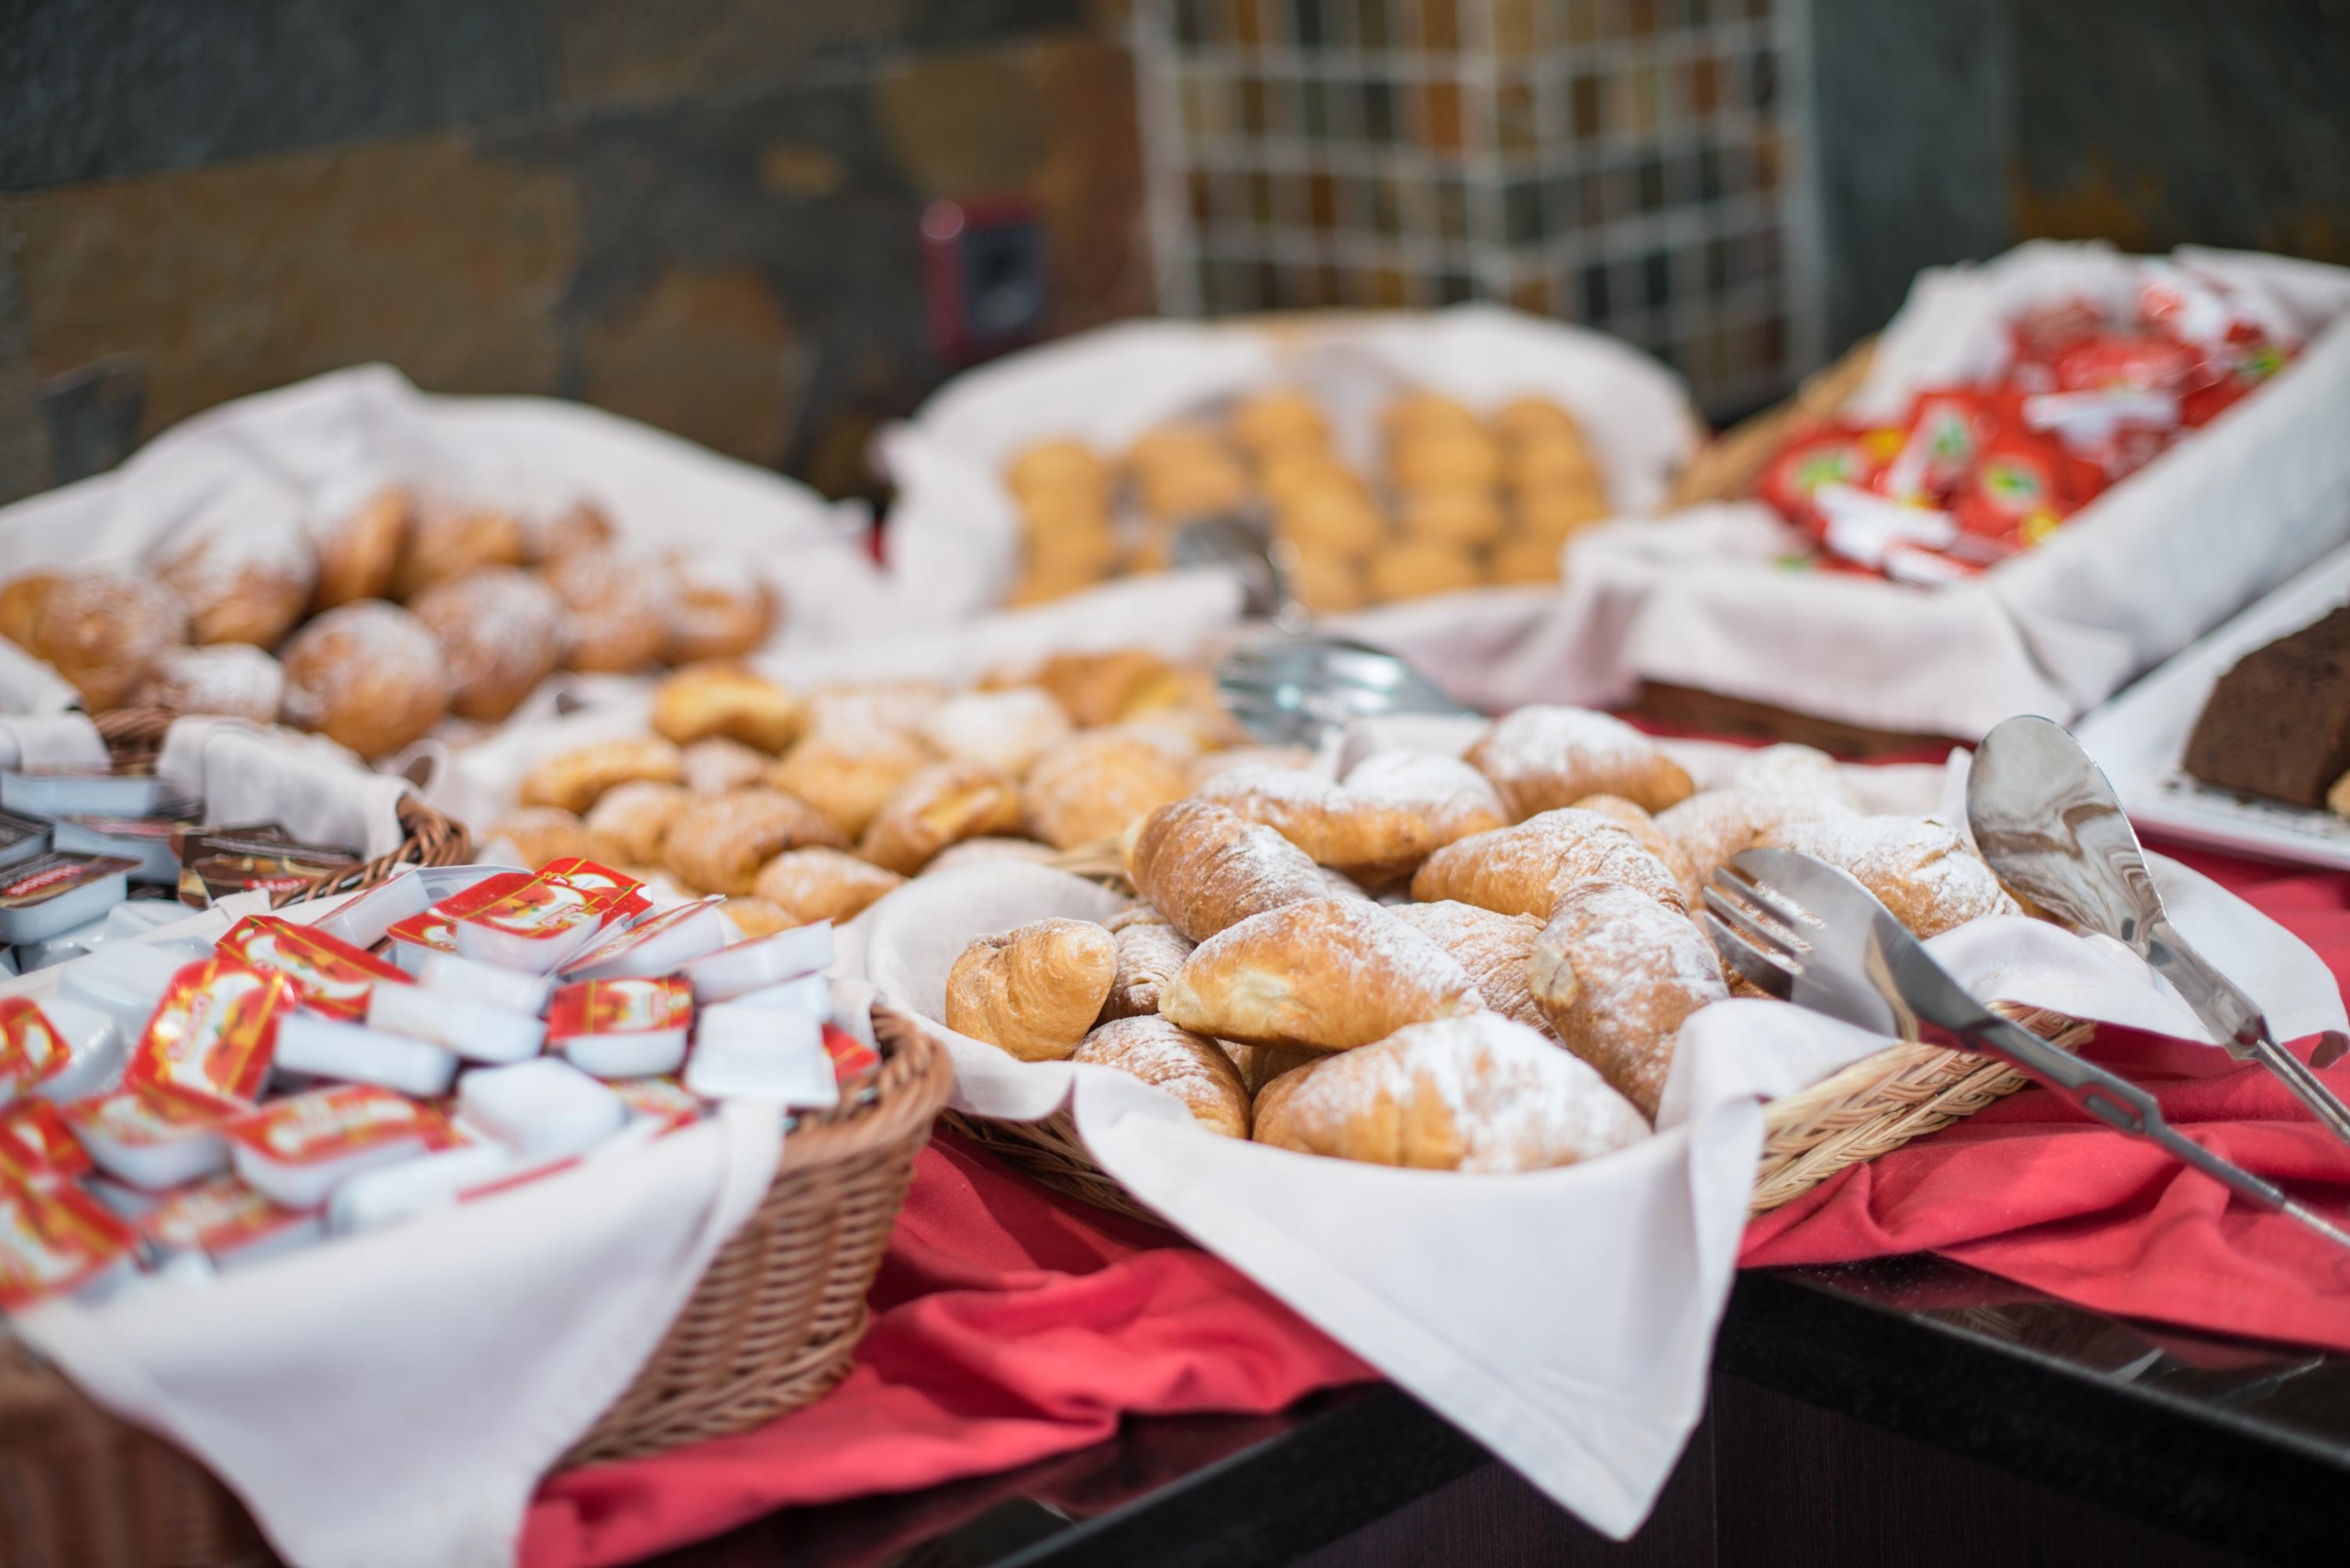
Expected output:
(2139, 736)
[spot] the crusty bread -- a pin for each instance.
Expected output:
(1033, 992)
(1616, 973)
(1322, 974)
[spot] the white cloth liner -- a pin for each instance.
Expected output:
(392, 1398)
(318, 791)
(1589, 1392)
(51, 740)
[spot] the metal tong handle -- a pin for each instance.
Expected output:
(2222, 1004)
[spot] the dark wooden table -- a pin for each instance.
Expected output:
(1904, 1411)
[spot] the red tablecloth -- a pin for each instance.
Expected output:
(1011, 1325)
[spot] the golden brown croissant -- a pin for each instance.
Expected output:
(1710, 828)
(820, 884)
(1195, 1071)
(1523, 870)
(1395, 809)
(1654, 840)
(1149, 955)
(1033, 992)
(944, 804)
(716, 843)
(1324, 974)
(1616, 973)
(1091, 786)
(1208, 868)
(1916, 867)
(1492, 947)
(1543, 758)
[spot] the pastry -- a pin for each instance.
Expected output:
(1454, 516)
(1034, 991)
(1492, 947)
(1003, 731)
(1302, 471)
(1094, 689)
(244, 581)
(543, 833)
(629, 821)
(103, 631)
(1281, 420)
(1529, 419)
(1616, 973)
(1287, 757)
(20, 606)
(1416, 415)
(1208, 867)
(2277, 724)
(1324, 974)
(1196, 486)
(1395, 809)
(1653, 838)
(848, 768)
(1140, 912)
(368, 675)
(1434, 460)
(501, 631)
(617, 608)
(819, 884)
(1551, 464)
(1517, 561)
(715, 764)
(1788, 769)
(722, 609)
(1329, 584)
(1059, 468)
(445, 543)
(759, 917)
(1331, 522)
(870, 704)
(716, 843)
(576, 780)
(1420, 567)
(984, 851)
(1916, 867)
(1541, 758)
(1478, 1094)
(1261, 1065)
(1091, 786)
(1552, 514)
(1523, 870)
(232, 678)
(728, 700)
(1195, 1071)
(1148, 954)
(582, 525)
(941, 804)
(1710, 828)
(359, 552)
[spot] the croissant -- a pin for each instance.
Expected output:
(1208, 868)
(1654, 840)
(1709, 828)
(1543, 758)
(1195, 1071)
(1916, 867)
(1091, 786)
(941, 805)
(1492, 947)
(1324, 974)
(1148, 954)
(1616, 973)
(1523, 870)
(820, 884)
(1392, 811)
(718, 842)
(1033, 992)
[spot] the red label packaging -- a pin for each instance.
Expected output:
(436, 927)
(37, 1147)
(333, 977)
(32, 1050)
(852, 1058)
(547, 919)
(215, 1030)
(54, 1239)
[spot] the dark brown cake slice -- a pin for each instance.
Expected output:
(2278, 724)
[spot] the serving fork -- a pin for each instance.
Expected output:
(1811, 934)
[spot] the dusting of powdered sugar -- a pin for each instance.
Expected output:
(1003, 731)
(369, 645)
(974, 851)
(1618, 974)
(1917, 866)
(1320, 969)
(1788, 769)
(1147, 957)
(232, 678)
(1207, 866)
(214, 560)
(1527, 752)
(1492, 947)
(497, 626)
(1522, 870)
(1713, 826)
(1195, 1071)
(1453, 798)
(884, 706)
(714, 765)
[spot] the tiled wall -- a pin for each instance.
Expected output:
(700, 213)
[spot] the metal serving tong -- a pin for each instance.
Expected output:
(1293, 691)
(2051, 825)
(1804, 930)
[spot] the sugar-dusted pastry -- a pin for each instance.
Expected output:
(1033, 992)
(1712, 826)
(104, 630)
(1141, 912)
(1525, 561)
(1417, 567)
(629, 821)
(848, 768)
(501, 630)
(1324, 974)
(617, 609)
(1532, 418)
(1214, 762)
(1550, 463)
(1095, 688)
(1439, 459)
(576, 780)
(1919, 868)
(1261, 1065)
(715, 764)
(1492, 947)
(716, 843)
(445, 543)
(1279, 421)
(1616, 973)
(581, 526)
(1455, 515)
(1789, 769)
(236, 679)
(543, 833)
(359, 551)
(1091, 786)
(1335, 520)
(722, 611)
(983, 851)
(888, 704)
(1195, 1071)
(1523, 870)
(1653, 838)
(1419, 414)
(729, 702)
(1395, 810)
(1541, 758)
(1002, 731)
(368, 675)
(1478, 1093)
(1208, 867)
(820, 884)
(20, 605)
(943, 804)
(1059, 467)
(1148, 954)
(757, 917)
(1554, 514)
(244, 580)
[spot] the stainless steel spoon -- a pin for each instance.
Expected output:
(2051, 825)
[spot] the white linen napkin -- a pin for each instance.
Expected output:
(50, 740)
(321, 793)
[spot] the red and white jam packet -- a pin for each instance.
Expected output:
(216, 1029)
(358, 1054)
(154, 1137)
(664, 1100)
(38, 1148)
(365, 918)
(476, 1030)
(760, 962)
(56, 1240)
(295, 1151)
(57, 1049)
(756, 1053)
(548, 919)
(660, 943)
(333, 977)
(540, 1109)
(227, 1221)
(435, 929)
(633, 1028)
(853, 1060)
(55, 892)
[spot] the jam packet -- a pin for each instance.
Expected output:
(550, 918)
(295, 1151)
(57, 1049)
(55, 1241)
(632, 1028)
(215, 1030)
(228, 1221)
(38, 1146)
(154, 1137)
(436, 928)
(333, 977)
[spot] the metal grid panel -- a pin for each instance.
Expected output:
(1641, 166)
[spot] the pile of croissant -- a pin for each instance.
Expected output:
(1474, 962)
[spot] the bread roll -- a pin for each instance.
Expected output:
(848, 769)
(722, 609)
(1492, 947)
(1148, 954)
(1033, 992)
(1916, 867)
(1394, 810)
(617, 609)
(1091, 786)
(1478, 1094)
(1324, 974)
(581, 526)
(944, 804)
(1005, 731)
(501, 631)
(1543, 758)
(358, 552)
(1523, 870)
(819, 884)
(1653, 838)
(629, 821)
(1454, 516)
(246, 580)
(1209, 868)
(103, 630)
(1279, 421)
(445, 543)
(1195, 1071)
(1446, 460)
(1616, 973)
(368, 675)
(716, 765)
(234, 679)
(1419, 414)
(716, 843)
(729, 703)
(576, 780)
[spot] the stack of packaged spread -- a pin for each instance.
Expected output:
(178, 1107)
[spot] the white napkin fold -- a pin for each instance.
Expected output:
(50, 740)
(321, 793)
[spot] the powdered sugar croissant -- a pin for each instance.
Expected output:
(1324, 974)
(1034, 990)
(1616, 972)
(1523, 870)
(1208, 868)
